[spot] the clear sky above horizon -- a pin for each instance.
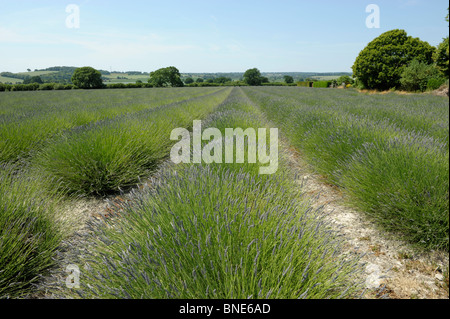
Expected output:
(205, 36)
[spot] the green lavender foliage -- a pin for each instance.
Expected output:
(29, 120)
(103, 157)
(200, 234)
(389, 152)
(29, 232)
(218, 231)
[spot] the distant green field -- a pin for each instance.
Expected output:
(125, 78)
(5, 79)
(36, 73)
(325, 78)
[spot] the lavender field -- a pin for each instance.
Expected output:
(212, 230)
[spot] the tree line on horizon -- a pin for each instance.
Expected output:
(63, 75)
(90, 78)
(393, 60)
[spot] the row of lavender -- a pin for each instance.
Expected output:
(30, 119)
(388, 152)
(218, 230)
(91, 147)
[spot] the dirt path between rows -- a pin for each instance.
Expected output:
(77, 213)
(392, 268)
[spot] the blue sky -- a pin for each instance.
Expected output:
(206, 35)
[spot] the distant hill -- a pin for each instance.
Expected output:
(63, 74)
(56, 74)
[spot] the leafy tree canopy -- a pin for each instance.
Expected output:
(253, 77)
(33, 79)
(166, 77)
(265, 79)
(222, 79)
(189, 80)
(441, 57)
(87, 78)
(344, 79)
(381, 63)
(288, 79)
(416, 75)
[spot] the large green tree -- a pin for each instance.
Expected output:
(188, 80)
(253, 77)
(87, 78)
(441, 56)
(380, 65)
(265, 79)
(288, 79)
(166, 77)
